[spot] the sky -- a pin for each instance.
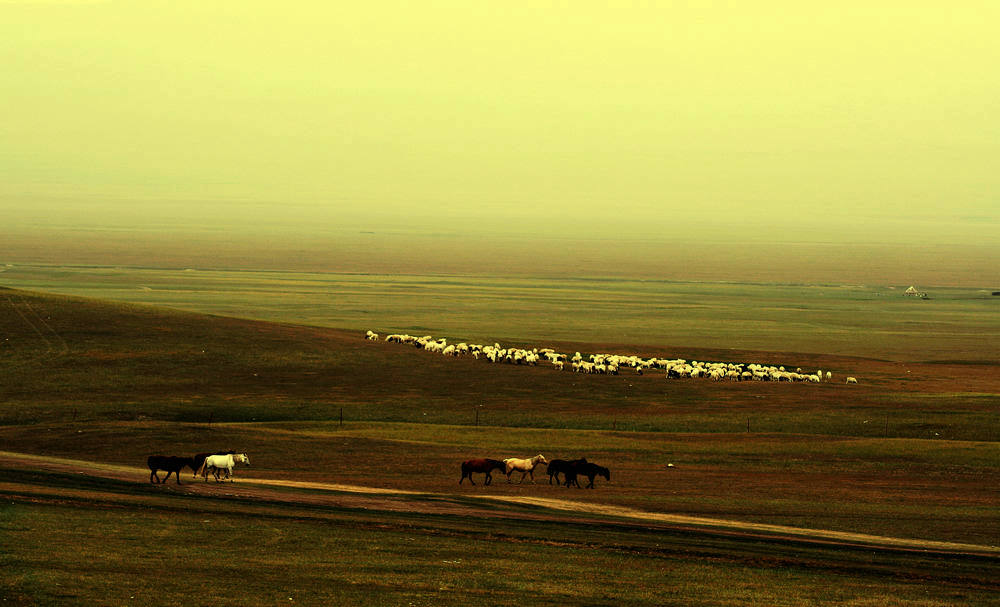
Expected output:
(783, 121)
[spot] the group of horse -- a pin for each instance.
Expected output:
(220, 464)
(570, 469)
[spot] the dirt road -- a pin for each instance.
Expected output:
(355, 496)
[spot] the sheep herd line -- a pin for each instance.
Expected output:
(610, 364)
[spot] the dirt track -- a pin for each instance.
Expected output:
(354, 496)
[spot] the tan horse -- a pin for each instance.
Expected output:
(524, 466)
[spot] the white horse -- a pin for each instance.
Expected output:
(525, 466)
(218, 463)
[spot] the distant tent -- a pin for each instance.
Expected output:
(911, 291)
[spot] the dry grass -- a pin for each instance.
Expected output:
(910, 452)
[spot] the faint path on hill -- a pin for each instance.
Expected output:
(256, 488)
(63, 346)
(55, 345)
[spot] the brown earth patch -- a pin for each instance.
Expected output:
(373, 498)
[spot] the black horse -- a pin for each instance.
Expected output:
(480, 465)
(171, 463)
(561, 466)
(590, 471)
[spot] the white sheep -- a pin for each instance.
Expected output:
(604, 363)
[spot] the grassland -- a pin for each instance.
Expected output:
(911, 452)
(844, 319)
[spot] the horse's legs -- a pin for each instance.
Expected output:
(152, 475)
(488, 479)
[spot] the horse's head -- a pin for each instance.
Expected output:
(605, 473)
(244, 458)
(542, 459)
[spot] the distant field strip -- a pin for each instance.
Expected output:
(851, 320)
(740, 527)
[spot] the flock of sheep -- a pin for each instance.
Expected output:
(611, 364)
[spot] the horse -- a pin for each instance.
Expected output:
(199, 460)
(524, 466)
(480, 465)
(561, 466)
(590, 471)
(173, 464)
(218, 463)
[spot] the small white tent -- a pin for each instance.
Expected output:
(911, 291)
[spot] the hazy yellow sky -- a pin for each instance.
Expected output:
(779, 119)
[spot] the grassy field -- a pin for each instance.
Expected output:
(910, 452)
(73, 544)
(128, 546)
(957, 324)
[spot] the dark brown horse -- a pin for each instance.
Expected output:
(561, 466)
(171, 463)
(590, 471)
(480, 465)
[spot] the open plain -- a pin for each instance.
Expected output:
(785, 213)
(880, 493)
